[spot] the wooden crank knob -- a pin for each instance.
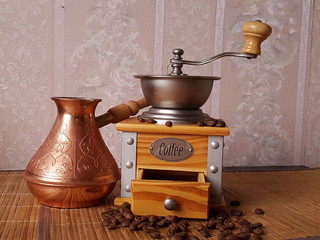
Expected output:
(255, 33)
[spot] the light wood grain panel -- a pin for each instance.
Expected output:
(191, 197)
(196, 163)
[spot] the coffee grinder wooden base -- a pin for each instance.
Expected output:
(173, 170)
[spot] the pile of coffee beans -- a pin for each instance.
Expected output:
(149, 120)
(208, 122)
(211, 122)
(228, 226)
(117, 217)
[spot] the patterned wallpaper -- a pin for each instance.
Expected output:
(26, 50)
(262, 127)
(93, 49)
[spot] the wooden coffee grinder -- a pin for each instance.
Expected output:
(172, 154)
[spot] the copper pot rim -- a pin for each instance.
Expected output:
(69, 182)
(70, 98)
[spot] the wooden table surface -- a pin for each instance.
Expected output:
(290, 199)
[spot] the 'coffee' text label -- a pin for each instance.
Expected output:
(171, 149)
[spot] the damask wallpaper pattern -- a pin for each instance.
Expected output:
(25, 79)
(262, 89)
(93, 49)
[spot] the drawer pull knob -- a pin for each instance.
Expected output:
(169, 204)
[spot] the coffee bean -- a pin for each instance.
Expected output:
(122, 219)
(236, 212)
(212, 223)
(141, 225)
(222, 216)
(151, 224)
(129, 216)
(125, 223)
(229, 224)
(168, 123)
(235, 218)
(259, 211)
(171, 232)
(133, 227)
(111, 226)
(223, 228)
(243, 236)
(182, 234)
(255, 237)
(148, 229)
(182, 227)
(231, 236)
(204, 232)
(246, 229)
(115, 221)
(106, 222)
(123, 210)
(105, 216)
(126, 205)
(110, 210)
(256, 225)
(192, 237)
(258, 231)
(139, 219)
(172, 219)
(184, 222)
(175, 237)
(150, 120)
(154, 235)
(243, 222)
(153, 218)
(234, 203)
(163, 223)
(222, 235)
(201, 123)
(198, 226)
(220, 123)
(210, 122)
(175, 227)
(140, 119)
(118, 215)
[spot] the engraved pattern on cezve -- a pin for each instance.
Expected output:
(53, 156)
(91, 152)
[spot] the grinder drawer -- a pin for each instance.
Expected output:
(185, 196)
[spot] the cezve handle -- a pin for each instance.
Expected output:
(255, 33)
(121, 112)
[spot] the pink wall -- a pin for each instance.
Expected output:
(93, 49)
